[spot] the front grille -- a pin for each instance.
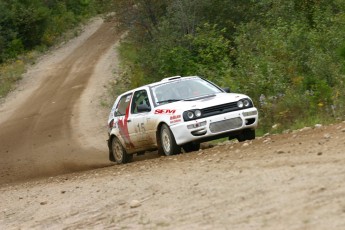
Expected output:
(221, 126)
(219, 109)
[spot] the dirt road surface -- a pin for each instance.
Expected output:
(52, 126)
(55, 173)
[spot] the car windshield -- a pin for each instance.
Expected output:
(183, 89)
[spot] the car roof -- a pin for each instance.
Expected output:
(163, 81)
(171, 79)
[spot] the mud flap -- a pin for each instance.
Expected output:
(111, 155)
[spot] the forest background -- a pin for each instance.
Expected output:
(29, 27)
(287, 55)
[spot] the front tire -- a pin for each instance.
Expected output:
(168, 144)
(119, 153)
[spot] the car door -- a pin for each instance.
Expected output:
(121, 120)
(138, 125)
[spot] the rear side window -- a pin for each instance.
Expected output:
(123, 105)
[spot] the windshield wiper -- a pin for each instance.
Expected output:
(169, 101)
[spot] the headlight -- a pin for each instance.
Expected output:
(192, 114)
(244, 103)
(197, 113)
(240, 104)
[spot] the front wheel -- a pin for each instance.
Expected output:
(168, 144)
(119, 153)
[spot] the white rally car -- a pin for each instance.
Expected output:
(175, 113)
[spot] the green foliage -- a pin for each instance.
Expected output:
(205, 53)
(289, 56)
(25, 24)
(62, 20)
(29, 21)
(29, 25)
(294, 60)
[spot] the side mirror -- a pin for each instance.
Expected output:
(143, 108)
(226, 89)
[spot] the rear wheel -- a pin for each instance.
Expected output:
(190, 147)
(247, 134)
(119, 153)
(168, 144)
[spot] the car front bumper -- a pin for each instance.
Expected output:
(222, 124)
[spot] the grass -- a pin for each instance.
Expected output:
(10, 74)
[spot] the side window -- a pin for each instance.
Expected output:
(123, 105)
(140, 98)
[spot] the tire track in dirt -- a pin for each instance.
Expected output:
(38, 138)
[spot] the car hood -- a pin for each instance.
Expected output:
(204, 102)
